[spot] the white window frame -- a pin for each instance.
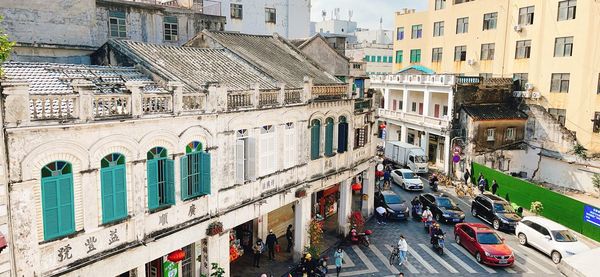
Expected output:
(268, 149)
(290, 146)
(490, 134)
(511, 134)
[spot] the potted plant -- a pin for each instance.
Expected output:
(214, 228)
(536, 207)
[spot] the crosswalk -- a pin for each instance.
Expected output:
(374, 261)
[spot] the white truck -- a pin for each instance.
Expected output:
(407, 155)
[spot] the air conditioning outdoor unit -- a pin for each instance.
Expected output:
(526, 94)
(470, 62)
(536, 95)
(529, 86)
(518, 93)
(518, 28)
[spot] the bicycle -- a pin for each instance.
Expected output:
(395, 255)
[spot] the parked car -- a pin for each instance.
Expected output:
(481, 241)
(495, 210)
(442, 207)
(549, 237)
(396, 207)
(407, 179)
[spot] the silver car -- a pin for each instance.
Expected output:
(407, 179)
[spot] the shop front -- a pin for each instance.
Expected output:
(179, 263)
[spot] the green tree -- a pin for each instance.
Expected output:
(217, 271)
(536, 207)
(5, 48)
(596, 182)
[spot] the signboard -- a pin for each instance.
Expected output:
(591, 215)
(379, 167)
(170, 269)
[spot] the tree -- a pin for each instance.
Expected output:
(536, 207)
(5, 48)
(596, 182)
(580, 151)
(315, 236)
(217, 271)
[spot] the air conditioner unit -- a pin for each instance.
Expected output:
(518, 93)
(471, 62)
(526, 94)
(529, 86)
(518, 28)
(536, 95)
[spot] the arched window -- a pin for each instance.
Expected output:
(113, 187)
(161, 186)
(342, 135)
(195, 171)
(329, 137)
(58, 210)
(315, 139)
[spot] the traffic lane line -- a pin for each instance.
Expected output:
(408, 265)
(466, 253)
(438, 259)
(421, 260)
(383, 259)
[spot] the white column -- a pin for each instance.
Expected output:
(450, 106)
(301, 219)
(345, 206)
(425, 143)
(405, 95)
(403, 133)
(426, 101)
(141, 271)
(368, 189)
(218, 252)
(262, 225)
(447, 148)
(386, 98)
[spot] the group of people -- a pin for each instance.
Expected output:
(271, 244)
(482, 182)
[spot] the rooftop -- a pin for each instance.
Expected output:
(494, 112)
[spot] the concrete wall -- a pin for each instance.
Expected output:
(326, 57)
(358, 53)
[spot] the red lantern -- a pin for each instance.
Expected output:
(176, 256)
(356, 186)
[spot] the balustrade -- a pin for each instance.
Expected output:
(268, 98)
(153, 103)
(330, 91)
(109, 105)
(193, 102)
(236, 100)
(48, 107)
(293, 96)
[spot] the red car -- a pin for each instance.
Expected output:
(484, 243)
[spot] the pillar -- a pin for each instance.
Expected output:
(140, 271)
(261, 225)
(425, 143)
(301, 220)
(217, 251)
(176, 88)
(345, 206)
(426, 101)
(403, 133)
(368, 189)
(447, 149)
(405, 101)
(16, 102)
(386, 99)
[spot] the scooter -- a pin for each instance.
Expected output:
(417, 210)
(439, 246)
(360, 238)
(427, 225)
(434, 186)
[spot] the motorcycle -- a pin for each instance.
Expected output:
(438, 245)
(360, 238)
(427, 225)
(417, 210)
(433, 183)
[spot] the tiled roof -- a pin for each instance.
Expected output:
(298, 42)
(53, 78)
(418, 69)
(494, 112)
(194, 67)
(275, 56)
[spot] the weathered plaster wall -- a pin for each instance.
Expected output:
(326, 57)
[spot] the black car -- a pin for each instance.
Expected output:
(396, 208)
(442, 207)
(496, 211)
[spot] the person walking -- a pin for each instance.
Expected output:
(271, 242)
(339, 256)
(481, 183)
(467, 175)
(495, 186)
(403, 247)
(257, 249)
(380, 213)
(289, 236)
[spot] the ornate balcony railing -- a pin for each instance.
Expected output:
(52, 107)
(414, 79)
(110, 105)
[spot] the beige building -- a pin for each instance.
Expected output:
(551, 47)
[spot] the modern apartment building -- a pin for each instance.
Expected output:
(549, 47)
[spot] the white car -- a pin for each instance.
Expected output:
(407, 179)
(549, 237)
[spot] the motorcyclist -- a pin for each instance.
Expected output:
(416, 206)
(435, 232)
(433, 181)
(353, 234)
(307, 265)
(427, 215)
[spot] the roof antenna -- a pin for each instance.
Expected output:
(350, 13)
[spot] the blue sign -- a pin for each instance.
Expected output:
(591, 215)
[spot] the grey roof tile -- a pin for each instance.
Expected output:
(494, 112)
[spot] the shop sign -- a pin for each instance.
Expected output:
(591, 215)
(170, 269)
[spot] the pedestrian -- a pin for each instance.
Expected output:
(339, 256)
(480, 183)
(403, 247)
(495, 186)
(467, 176)
(257, 249)
(271, 242)
(380, 214)
(401, 274)
(289, 235)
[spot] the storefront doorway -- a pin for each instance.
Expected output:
(154, 268)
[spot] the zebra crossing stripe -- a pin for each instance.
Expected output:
(530, 260)
(509, 270)
(459, 261)
(466, 253)
(370, 267)
(383, 259)
(534, 253)
(346, 262)
(408, 265)
(420, 259)
(523, 267)
(438, 259)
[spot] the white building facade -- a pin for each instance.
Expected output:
(378, 58)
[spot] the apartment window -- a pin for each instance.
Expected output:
(366, 58)
(360, 137)
(510, 134)
(520, 79)
(385, 59)
(460, 53)
(245, 157)
(567, 9)
(560, 82)
(436, 54)
(438, 29)
(417, 31)
(444, 110)
(390, 59)
(378, 59)
(170, 28)
(559, 114)
(563, 47)
(270, 15)
(489, 21)
(236, 11)
(315, 139)
(267, 150)
(113, 187)
(415, 55)
(399, 56)
(462, 25)
(523, 50)
(373, 58)
(58, 208)
(490, 134)
(161, 178)
(116, 24)
(485, 75)
(400, 33)
(413, 107)
(487, 51)
(342, 135)
(526, 15)
(596, 128)
(195, 171)
(440, 4)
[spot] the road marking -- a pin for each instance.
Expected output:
(438, 258)
(466, 253)
(530, 260)
(534, 253)
(370, 267)
(523, 267)
(383, 259)
(509, 270)
(346, 261)
(459, 261)
(421, 260)
(408, 265)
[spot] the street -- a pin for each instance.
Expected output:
(422, 261)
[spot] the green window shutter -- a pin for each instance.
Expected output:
(196, 178)
(314, 142)
(329, 139)
(342, 137)
(170, 181)
(50, 207)
(205, 172)
(67, 214)
(108, 194)
(183, 169)
(120, 191)
(152, 171)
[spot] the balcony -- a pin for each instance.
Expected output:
(438, 123)
(422, 79)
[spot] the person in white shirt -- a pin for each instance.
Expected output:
(427, 215)
(380, 213)
(403, 247)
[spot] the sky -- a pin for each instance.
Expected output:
(366, 12)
